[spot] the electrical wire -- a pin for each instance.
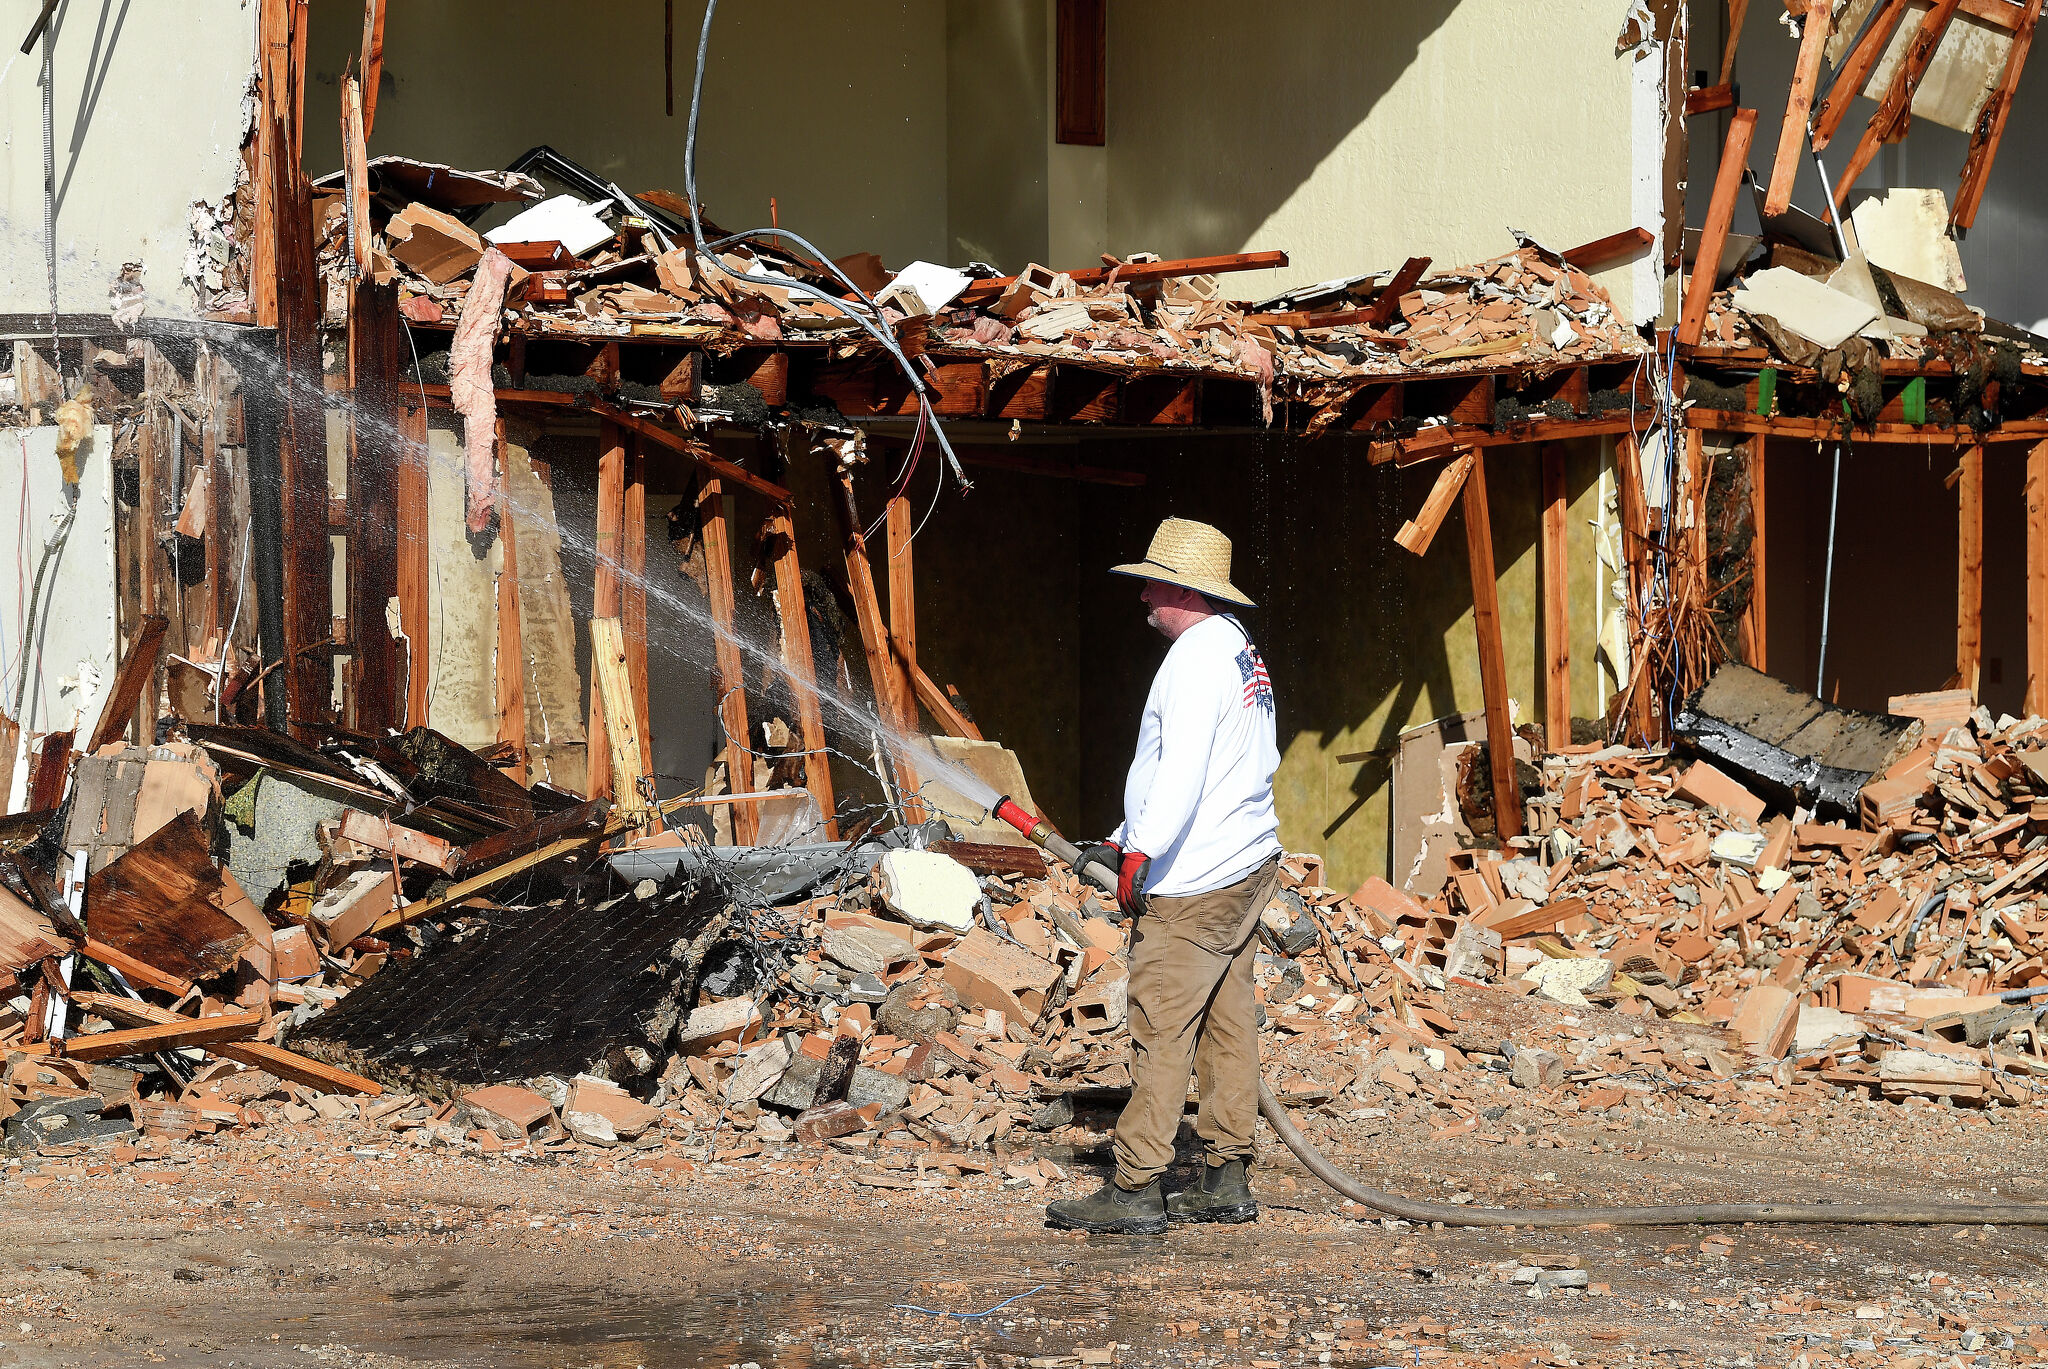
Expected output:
(441, 642)
(875, 327)
(1827, 579)
(227, 643)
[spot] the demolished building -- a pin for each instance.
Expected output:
(460, 534)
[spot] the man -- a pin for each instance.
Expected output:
(1197, 857)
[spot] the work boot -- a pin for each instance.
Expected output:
(1223, 1195)
(1110, 1208)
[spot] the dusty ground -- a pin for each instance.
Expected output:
(335, 1244)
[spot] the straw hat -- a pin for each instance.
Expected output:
(1192, 555)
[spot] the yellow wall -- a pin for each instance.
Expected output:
(842, 122)
(1363, 639)
(149, 117)
(1357, 135)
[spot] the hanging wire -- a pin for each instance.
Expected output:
(872, 324)
(1827, 581)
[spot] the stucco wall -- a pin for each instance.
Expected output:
(70, 662)
(835, 111)
(1428, 128)
(149, 113)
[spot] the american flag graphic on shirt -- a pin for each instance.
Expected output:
(1258, 686)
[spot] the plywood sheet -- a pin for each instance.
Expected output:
(1966, 68)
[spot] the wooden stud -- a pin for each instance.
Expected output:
(373, 59)
(1755, 622)
(714, 525)
(1895, 112)
(942, 706)
(1813, 42)
(1855, 70)
(682, 446)
(497, 874)
(604, 593)
(1699, 286)
(797, 665)
(375, 471)
(633, 587)
(511, 655)
(199, 1031)
(52, 768)
(622, 727)
(1493, 673)
(1970, 570)
(2037, 580)
(1990, 128)
(415, 570)
(1737, 11)
(1418, 532)
(355, 165)
(899, 522)
(1557, 647)
(1388, 302)
(874, 635)
(137, 669)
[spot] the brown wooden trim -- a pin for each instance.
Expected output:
(1081, 85)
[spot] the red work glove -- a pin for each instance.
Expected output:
(1130, 882)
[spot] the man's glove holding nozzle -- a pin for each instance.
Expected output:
(1107, 854)
(1131, 873)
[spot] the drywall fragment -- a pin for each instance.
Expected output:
(1825, 317)
(930, 890)
(1906, 231)
(563, 219)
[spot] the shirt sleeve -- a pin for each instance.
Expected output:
(1190, 706)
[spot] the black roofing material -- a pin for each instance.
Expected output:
(558, 989)
(1786, 745)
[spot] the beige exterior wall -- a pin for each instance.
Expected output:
(150, 110)
(837, 111)
(1356, 135)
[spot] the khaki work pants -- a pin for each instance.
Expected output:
(1191, 1004)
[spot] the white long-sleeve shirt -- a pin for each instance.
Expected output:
(1199, 798)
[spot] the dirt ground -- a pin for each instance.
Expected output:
(333, 1243)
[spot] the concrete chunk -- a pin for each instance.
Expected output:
(929, 890)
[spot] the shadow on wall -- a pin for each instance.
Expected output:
(106, 35)
(828, 108)
(1317, 71)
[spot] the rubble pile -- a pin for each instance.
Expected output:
(619, 267)
(349, 922)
